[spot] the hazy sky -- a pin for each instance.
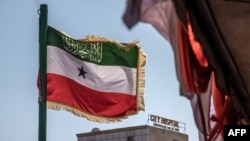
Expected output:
(78, 18)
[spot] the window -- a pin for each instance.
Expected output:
(130, 138)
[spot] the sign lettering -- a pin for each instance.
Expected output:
(164, 121)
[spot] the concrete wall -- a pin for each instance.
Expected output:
(158, 134)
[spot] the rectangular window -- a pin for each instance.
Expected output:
(130, 138)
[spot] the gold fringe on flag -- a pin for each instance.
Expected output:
(94, 38)
(140, 79)
(91, 117)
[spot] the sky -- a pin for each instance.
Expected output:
(78, 18)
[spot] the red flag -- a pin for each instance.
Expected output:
(191, 66)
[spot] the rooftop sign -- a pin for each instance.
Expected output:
(166, 123)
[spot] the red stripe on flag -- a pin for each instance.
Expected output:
(65, 91)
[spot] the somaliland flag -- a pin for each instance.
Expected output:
(96, 78)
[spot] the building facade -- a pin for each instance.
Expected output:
(136, 133)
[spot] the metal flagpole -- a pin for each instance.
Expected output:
(42, 73)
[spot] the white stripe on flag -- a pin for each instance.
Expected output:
(101, 78)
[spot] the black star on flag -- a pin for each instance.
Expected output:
(81, 72)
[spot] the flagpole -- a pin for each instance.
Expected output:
(43, 69)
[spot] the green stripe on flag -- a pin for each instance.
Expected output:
(98, 52)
